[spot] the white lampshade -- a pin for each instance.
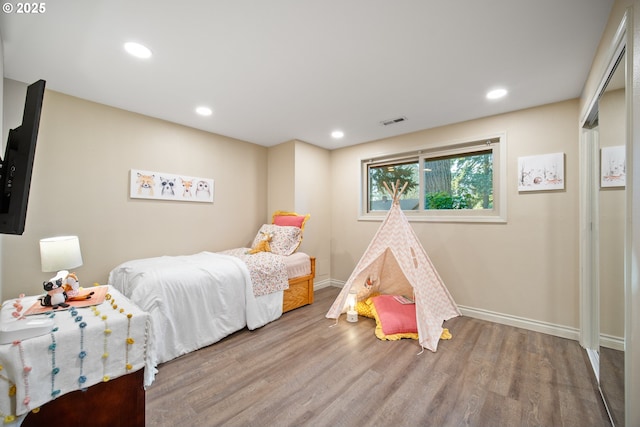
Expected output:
(60, 253)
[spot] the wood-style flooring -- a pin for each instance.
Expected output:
(302, 371)
(612, 382)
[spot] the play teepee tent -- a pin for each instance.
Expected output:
(396, 263)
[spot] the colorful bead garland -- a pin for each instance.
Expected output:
(129, 341)
(82, 379)
(105, 352)
(7, 418)
(17, 313)
(82, 355)
(26, 369)
(54, 369)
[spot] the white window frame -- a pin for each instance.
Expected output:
(498, 145)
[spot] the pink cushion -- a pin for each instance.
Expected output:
(395, 318)
(289, 220)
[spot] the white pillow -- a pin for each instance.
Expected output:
(285, 241)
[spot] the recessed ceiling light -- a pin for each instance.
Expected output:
(137, 50)
(496, 93)
(337, 134)
(204, 111)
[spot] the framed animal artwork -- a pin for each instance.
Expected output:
(541, 172)
(613, 166)
(166, 186)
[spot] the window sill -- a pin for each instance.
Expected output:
(439, 218)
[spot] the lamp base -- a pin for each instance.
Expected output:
(352, 316)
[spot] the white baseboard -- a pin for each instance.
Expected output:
(501, 318)
(609, 341)
(336, 283)
(321, 284)
(522, 322)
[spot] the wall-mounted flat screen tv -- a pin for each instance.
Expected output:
(17, 164)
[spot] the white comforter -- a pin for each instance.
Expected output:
(194, 300)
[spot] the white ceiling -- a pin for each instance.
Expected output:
(278, 70)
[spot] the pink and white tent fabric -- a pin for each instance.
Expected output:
(396, 263)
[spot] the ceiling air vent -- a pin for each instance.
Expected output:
(393, 121)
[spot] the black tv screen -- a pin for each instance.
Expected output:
(17, 164)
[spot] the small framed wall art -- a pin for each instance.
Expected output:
(542, 172)
(166, 186)
(613, 166)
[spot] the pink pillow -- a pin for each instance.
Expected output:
(290, 219)
(395, 318)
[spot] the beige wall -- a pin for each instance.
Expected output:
(80, 186)
(313, 195)
(281, 182)
(527, 268)
(299, 180)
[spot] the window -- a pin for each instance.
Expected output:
(461, 182)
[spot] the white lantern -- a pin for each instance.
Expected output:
(352, 299)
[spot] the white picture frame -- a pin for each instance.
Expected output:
(166, 186)
(613, 166)
(541, 172)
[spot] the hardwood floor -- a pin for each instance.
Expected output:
(302, 371)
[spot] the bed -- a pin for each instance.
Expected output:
(196, 300)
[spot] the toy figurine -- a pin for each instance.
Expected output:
(56, 295)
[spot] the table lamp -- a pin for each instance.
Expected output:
(60, 254)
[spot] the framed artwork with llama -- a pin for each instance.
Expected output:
(541, 172)
(167, 186)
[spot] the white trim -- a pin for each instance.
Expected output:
(612, 342)
(625, 39)
(509, 320)
(521, 322)
(497, 215)
(632, 243)
(594, 358)
(589, 235)
(322, 284)
(337, 283)
(423, 218)
(618, 44)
